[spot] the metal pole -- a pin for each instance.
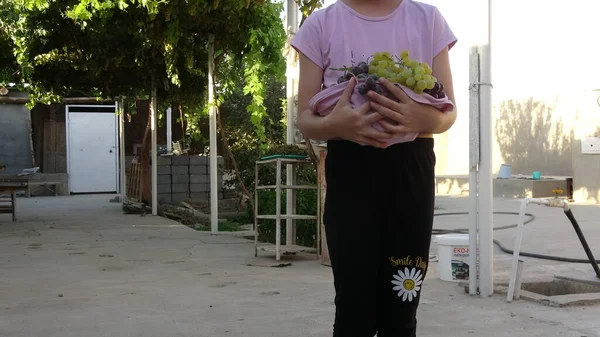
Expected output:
(169, 131)
(122, 177)
(278, 211)
(292, 27)
(486, 209)
(154, 179)
(473, 169)
(214, 206)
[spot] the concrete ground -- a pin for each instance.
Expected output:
(78, 267)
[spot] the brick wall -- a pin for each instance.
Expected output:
(182, 177)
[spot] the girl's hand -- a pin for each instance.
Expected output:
(410, 115)
(355, 124)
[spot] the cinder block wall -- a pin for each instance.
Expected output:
(15, 141)
(182, 177)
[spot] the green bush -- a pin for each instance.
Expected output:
(306, 204)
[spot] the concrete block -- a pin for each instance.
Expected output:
(200, 195)
(178, 197)
(164, 197)
(528, 188)
(180, 160)
(180, 188)
(163, 160)
(205, 195)
(163, 169)
(163, 188)
(194, 188)
(199, 160)
(199, 179)
(179, 169)
(163, 179)
(180, 179)
(198, 169)
(61, 189)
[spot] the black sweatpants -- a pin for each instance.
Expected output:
(378, 220)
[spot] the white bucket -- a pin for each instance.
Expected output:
(453, 254)
(505, 172)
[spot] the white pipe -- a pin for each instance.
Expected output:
(122, 165)
(486, 208)
(519, 279)
(169, 131)
(517, 249)
(214, 193)
(154, 179)
(519, 237)
(278, 212)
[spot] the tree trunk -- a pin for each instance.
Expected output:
(182, 123)
(228, 152)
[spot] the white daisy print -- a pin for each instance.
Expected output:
(408, 283)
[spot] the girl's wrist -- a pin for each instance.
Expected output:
(329, 127)
(314, 126)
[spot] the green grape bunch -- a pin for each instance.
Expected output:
(415, 75)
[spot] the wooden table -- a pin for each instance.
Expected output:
(11, 184)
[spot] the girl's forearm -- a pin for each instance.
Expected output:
(314, 126)
(444, 123)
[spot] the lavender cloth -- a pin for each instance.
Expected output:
(324, 102)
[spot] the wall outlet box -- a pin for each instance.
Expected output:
(590, 145)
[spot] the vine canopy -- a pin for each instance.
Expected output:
(109, 48)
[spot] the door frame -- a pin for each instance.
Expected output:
(68, 138)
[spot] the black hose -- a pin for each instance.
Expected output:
(438, 231)
(583, 241)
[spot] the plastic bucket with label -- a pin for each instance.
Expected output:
(453, 254)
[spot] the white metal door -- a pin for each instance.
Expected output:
(92, 148)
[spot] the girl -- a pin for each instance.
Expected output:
(380, 197)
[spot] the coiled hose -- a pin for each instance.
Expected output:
(530, 218)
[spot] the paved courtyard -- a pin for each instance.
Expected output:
(77, 267)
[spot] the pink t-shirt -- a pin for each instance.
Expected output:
(338, 36)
